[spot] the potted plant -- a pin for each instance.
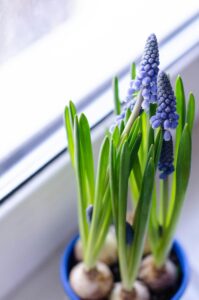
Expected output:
(139, 259)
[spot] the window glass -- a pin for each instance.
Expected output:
(57, 49)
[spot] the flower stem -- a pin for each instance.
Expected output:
(165, 200)
(133, 116)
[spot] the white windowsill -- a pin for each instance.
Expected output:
(44, 283)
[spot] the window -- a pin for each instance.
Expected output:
(93, 42)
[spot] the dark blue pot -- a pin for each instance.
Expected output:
(67, 263)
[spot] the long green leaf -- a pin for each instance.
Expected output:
(80, 175)
(116, 136)
(104, 224)
(183, 168)
(122, 206)
(143, 146)
(135, 166)
(102, 171)
(69, 132)
(157, 147)
(141, 219)
(134, 132)
(117, 104)
(101, 187)
(154, 221)
(113, 183)
(182, 174)
(127, 115)
(72, 111)
(181, 109)
(88, 157)
(191, 111)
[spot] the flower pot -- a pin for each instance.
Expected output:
(68, 262)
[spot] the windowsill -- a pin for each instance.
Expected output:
(44, 283)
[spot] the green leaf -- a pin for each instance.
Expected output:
(116, 136)
(127, 115)
(122, 206)
(153, 223)
(133, 71)
(183, 168)
(101, 179)
(104, 225)
(151, 153)
(121, 127)
(135, 169)
(80, 176)
(136, 177)
(101, 189)
(72, 111)
(158, 147)
(134, 159)
(143, 147)
(181, 174)
(180, 107)
(152, 109)
(134, 132)
(150, 137)
(191, 111)
(88, 156)
(113, 183)
(117, 104)
(141, 218)
(69, 132)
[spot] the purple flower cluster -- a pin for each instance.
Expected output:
(165, 164)
(146, 78)
(166, 115)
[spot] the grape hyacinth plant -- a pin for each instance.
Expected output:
(168, 113)
(94, 206)
(146, 151)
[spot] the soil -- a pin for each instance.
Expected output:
(165, 295)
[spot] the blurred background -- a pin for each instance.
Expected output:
(52, 51)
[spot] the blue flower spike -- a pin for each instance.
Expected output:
(166, 115)
(146, 79)
(165, 164)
